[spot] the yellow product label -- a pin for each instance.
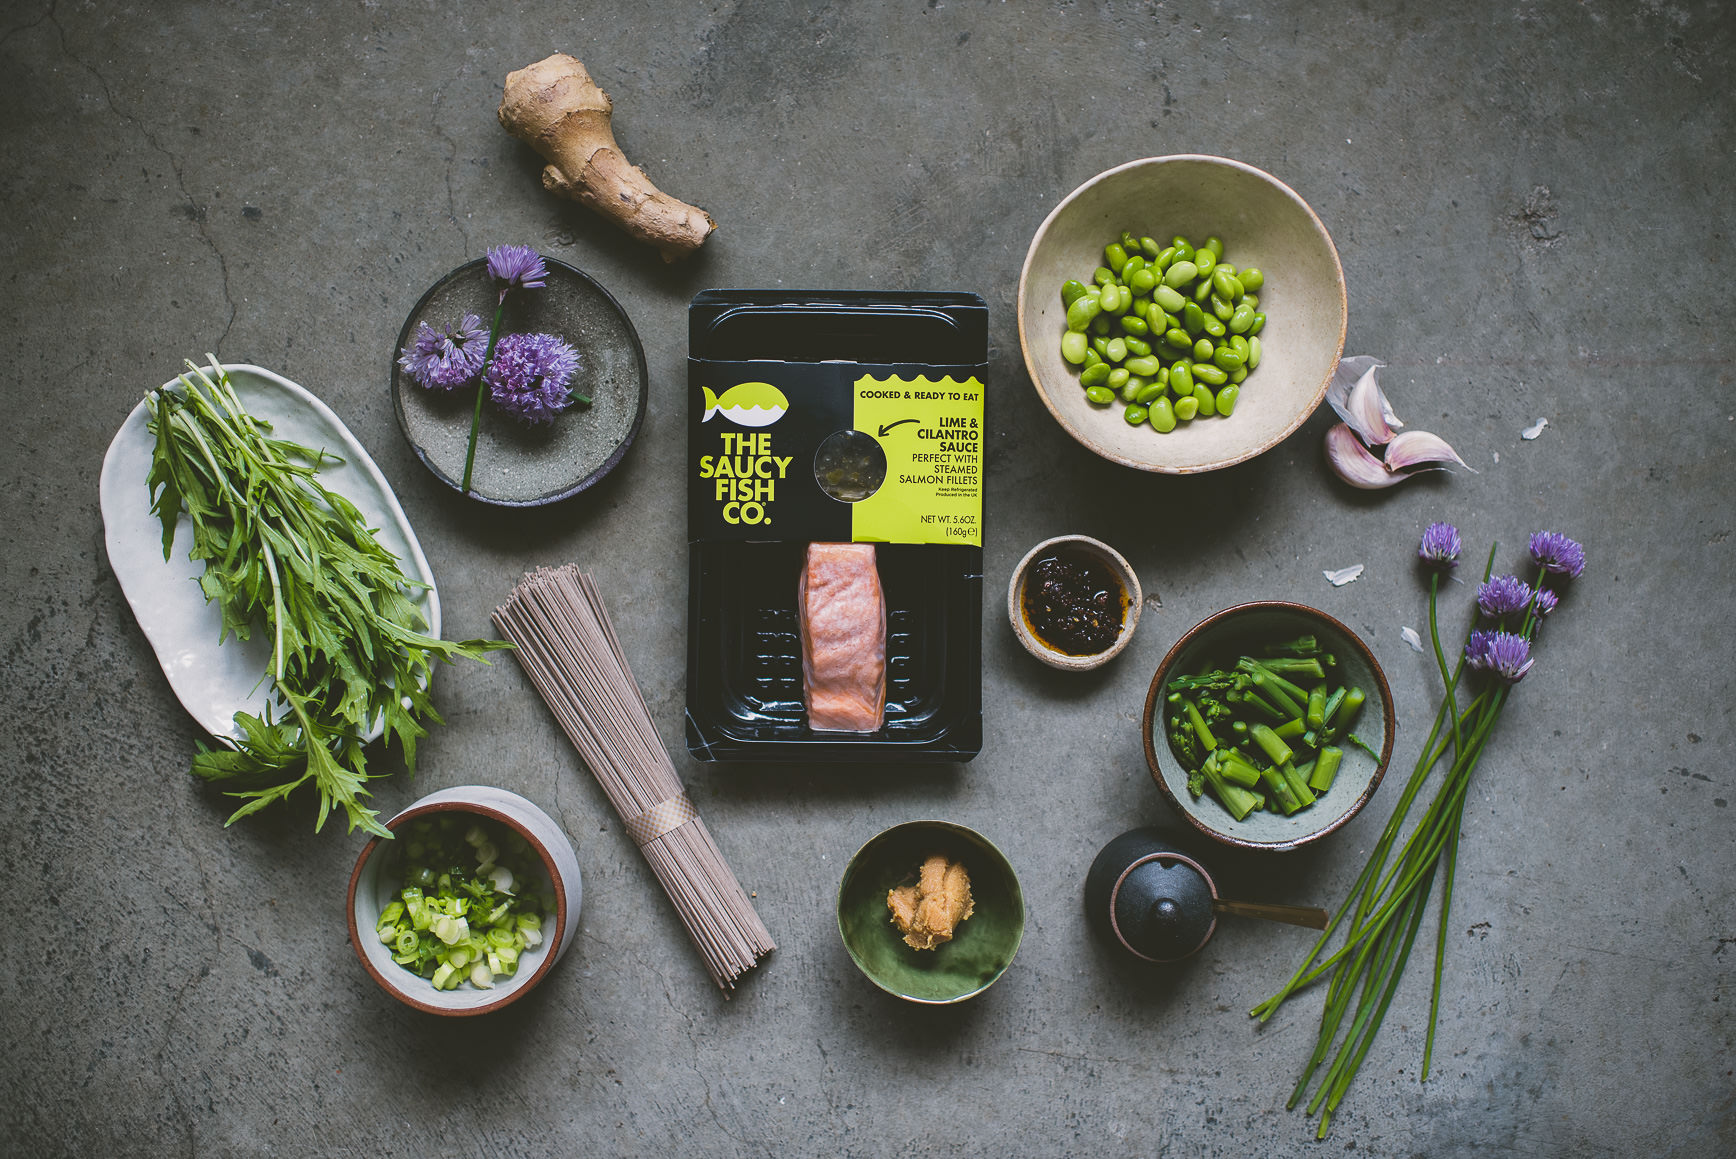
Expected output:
(932, 433)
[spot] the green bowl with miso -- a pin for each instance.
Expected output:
(1252, 630)
(982, 945)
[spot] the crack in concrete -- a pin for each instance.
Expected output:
(692, 1042)
(1070, 1057)
(16, 29)
(451, 144)
(195, 211)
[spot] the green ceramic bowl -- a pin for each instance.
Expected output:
(984, 944)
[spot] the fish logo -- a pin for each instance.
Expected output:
(747, 404)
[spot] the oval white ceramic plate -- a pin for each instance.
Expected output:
(214, 683)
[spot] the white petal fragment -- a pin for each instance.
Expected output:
(1411, 638)
(1533, 430)
(1351, 462)
(1343, 575)
(1417, 448)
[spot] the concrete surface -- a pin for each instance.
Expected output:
(1532, 204)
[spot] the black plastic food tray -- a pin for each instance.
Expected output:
(744, 657)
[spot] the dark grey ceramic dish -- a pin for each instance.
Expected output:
(1218, 640)
(518, 465)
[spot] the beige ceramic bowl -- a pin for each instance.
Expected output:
(1263, 223)
(1114, 561)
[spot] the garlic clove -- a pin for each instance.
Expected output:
(1356, 395)
(1351, 462)
(1348, 374)
(1420, 448)
(1369, 413)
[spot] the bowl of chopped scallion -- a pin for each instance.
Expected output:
(471, 903)
(1268, 725)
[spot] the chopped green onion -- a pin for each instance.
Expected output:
(452, 924)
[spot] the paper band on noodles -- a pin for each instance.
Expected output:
(663, 817)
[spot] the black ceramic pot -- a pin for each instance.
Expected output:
(1150, 897)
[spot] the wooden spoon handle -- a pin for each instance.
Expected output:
(1297, 915)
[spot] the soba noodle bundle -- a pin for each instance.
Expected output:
(569, 649)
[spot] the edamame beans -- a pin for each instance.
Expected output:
(1168, 330)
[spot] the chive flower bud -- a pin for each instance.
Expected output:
(1504, 595)
(445, 359)
(515, 267)
(1546, 602)
(529, 376)
(1477, 650)
(1440, 545)
(1508, 656)
(1556, 553)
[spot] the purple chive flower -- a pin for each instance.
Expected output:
(444, 359)
(516, 267)
(1556, 553)
(1440, 546)
(1477, 649)
(529, 376)
(1546, 601)
(1505, 595)
(1508, 656)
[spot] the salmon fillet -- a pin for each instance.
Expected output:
(843, 615)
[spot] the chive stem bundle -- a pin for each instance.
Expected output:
(1385, 908)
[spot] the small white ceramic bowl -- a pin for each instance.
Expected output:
(1263, 223)
(1110, 558)
(375, 883)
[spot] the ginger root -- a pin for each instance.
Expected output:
(556, 108)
